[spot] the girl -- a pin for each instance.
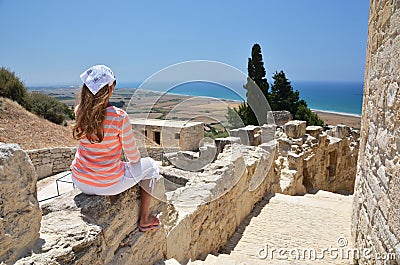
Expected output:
(103, 131)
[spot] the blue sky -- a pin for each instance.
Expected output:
(49, 42)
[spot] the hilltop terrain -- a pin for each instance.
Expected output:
(18, 125)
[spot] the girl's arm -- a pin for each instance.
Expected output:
(128, 141)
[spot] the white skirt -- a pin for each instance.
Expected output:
(145, 169)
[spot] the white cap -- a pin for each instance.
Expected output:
(97, 77)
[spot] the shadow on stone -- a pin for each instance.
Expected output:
(234, 239)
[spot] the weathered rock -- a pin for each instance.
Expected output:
(247, 135)
(20, 214)
(314, 131)
(192, 161)
(267, 133)
(213, 203)
(82, 229)
(339, 131)
(280, 117)
(50, 161)
(295, 129)
(376, 216)
(222, 142)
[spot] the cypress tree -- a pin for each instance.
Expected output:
(256, 70)
(256, 81)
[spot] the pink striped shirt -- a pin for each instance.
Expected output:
(99, 164)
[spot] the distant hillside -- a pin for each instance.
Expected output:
(18, 125)
(30, 131)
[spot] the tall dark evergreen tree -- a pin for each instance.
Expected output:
(256, 70)
(256, 81)
(283, 97)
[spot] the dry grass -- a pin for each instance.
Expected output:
(30, 131)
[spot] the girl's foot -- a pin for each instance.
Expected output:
(151, 223)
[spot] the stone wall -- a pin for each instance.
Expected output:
(81, 229)
(280, 117)
(309, 158)
(20, 214)
(376, 218)
(171, 133)
(197, 219)
(191, 136)
(213, 203)
(50, 161)
(157, 153)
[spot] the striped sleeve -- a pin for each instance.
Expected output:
(128, 140)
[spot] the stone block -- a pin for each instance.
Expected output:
(279, 117)
(295, 129)
(19, 208)
(221, 142)
(314, 131)
(267, 132)
(82, 229)
(44, 170)
(342, 131)
(284, 146)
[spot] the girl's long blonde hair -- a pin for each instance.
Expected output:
(90, 114)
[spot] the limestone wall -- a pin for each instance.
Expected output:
(280, 117)
(197, 219)
(170, 134)
(309, 158)
(191, 136)
(20, 214)
(376, 218)
(213, 203)
(50, 161)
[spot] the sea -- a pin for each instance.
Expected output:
(335, 97)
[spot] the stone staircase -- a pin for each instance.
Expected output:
(293, 223)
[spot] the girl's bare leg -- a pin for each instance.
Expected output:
(145, 218)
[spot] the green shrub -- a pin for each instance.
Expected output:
(11, 87)
(49, 108)
(305, 114)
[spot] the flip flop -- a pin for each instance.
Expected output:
(156, 224)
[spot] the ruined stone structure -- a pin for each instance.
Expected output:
(202, 208)
(20, 214)
(50, 161)
(197, 218)
(169, 133)
(280, 117)
(376, 218)
(309, 158)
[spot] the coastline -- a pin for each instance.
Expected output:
(336, 113)
(207, 105)
(335, 118)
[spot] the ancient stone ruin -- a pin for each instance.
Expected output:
(376, 217)
(202, 208)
